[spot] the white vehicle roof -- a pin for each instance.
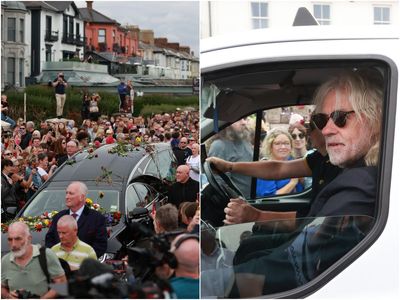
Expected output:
(299, 33)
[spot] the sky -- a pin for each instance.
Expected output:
(178, 21)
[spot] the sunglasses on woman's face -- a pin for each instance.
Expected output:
(300, 136)
(338, 117)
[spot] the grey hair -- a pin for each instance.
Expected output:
(266, 147)
(365, 94)
(82, 187)
(22, 225)
(69, 221)
(30, 124)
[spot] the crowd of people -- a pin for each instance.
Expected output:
(31, 152)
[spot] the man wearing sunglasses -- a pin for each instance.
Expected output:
(352, 143)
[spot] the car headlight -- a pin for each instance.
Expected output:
(106, 256)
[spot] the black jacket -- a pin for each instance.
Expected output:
(183, 192)
(353, 192)
(8, 195)
(91, 230)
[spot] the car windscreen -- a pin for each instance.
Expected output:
(263, 258)
(54, 200)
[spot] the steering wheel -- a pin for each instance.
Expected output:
(221, 183)
(217, 195)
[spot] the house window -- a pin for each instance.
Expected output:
(71, 26)
(48, 26)
(11, 35)
(113, 36)
(11, 70)
(48, 52)
(78, 32)
(21, 72)
(259, 14)
(21, 30)
(65, 27)
(322, 13)
(382, 15)
(102, 36)
(2, 26)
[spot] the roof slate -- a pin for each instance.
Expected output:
(91, 15)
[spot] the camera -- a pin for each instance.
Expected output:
(23, 294)
(150, 252)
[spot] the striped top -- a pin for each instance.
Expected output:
(79, 252)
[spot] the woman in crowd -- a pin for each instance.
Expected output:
(60, 147)
(61, 129)
(193, 161)
(94, 107)
(278, 146)
(299, 136)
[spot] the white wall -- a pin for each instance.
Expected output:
(235, 16)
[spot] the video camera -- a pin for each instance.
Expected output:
(150, 252)
(95, 280)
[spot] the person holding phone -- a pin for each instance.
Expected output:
(60, 84)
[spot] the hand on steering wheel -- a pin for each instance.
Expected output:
(221, 183)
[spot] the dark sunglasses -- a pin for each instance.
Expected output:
(300, 136)
(338, 117)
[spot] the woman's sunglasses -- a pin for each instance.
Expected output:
(338, 117)
(300, 136)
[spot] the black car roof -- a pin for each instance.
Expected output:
(89, 167)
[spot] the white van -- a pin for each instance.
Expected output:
(265, 76)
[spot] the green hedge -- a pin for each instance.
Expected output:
(41, 103)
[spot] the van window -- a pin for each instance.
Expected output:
(260, 103)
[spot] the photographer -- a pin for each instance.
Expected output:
(4, 112)
(60, 84)
(22, 275)
(185, 284)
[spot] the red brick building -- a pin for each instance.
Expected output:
(104, 34)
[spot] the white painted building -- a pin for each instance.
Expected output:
(222, 17)
(57, 32)
(14, 44)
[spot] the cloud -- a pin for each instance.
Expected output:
(176, 20)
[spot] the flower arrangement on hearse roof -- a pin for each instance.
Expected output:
(37, 223)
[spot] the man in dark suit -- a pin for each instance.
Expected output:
(91, 223)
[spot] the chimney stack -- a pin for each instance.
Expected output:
(89, 4)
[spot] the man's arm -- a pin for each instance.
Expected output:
(239, 211)
(51, 294)
(265, 169)
(100, 242)
(5, 293)
(52, 235)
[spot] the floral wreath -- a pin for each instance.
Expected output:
(45, 220)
